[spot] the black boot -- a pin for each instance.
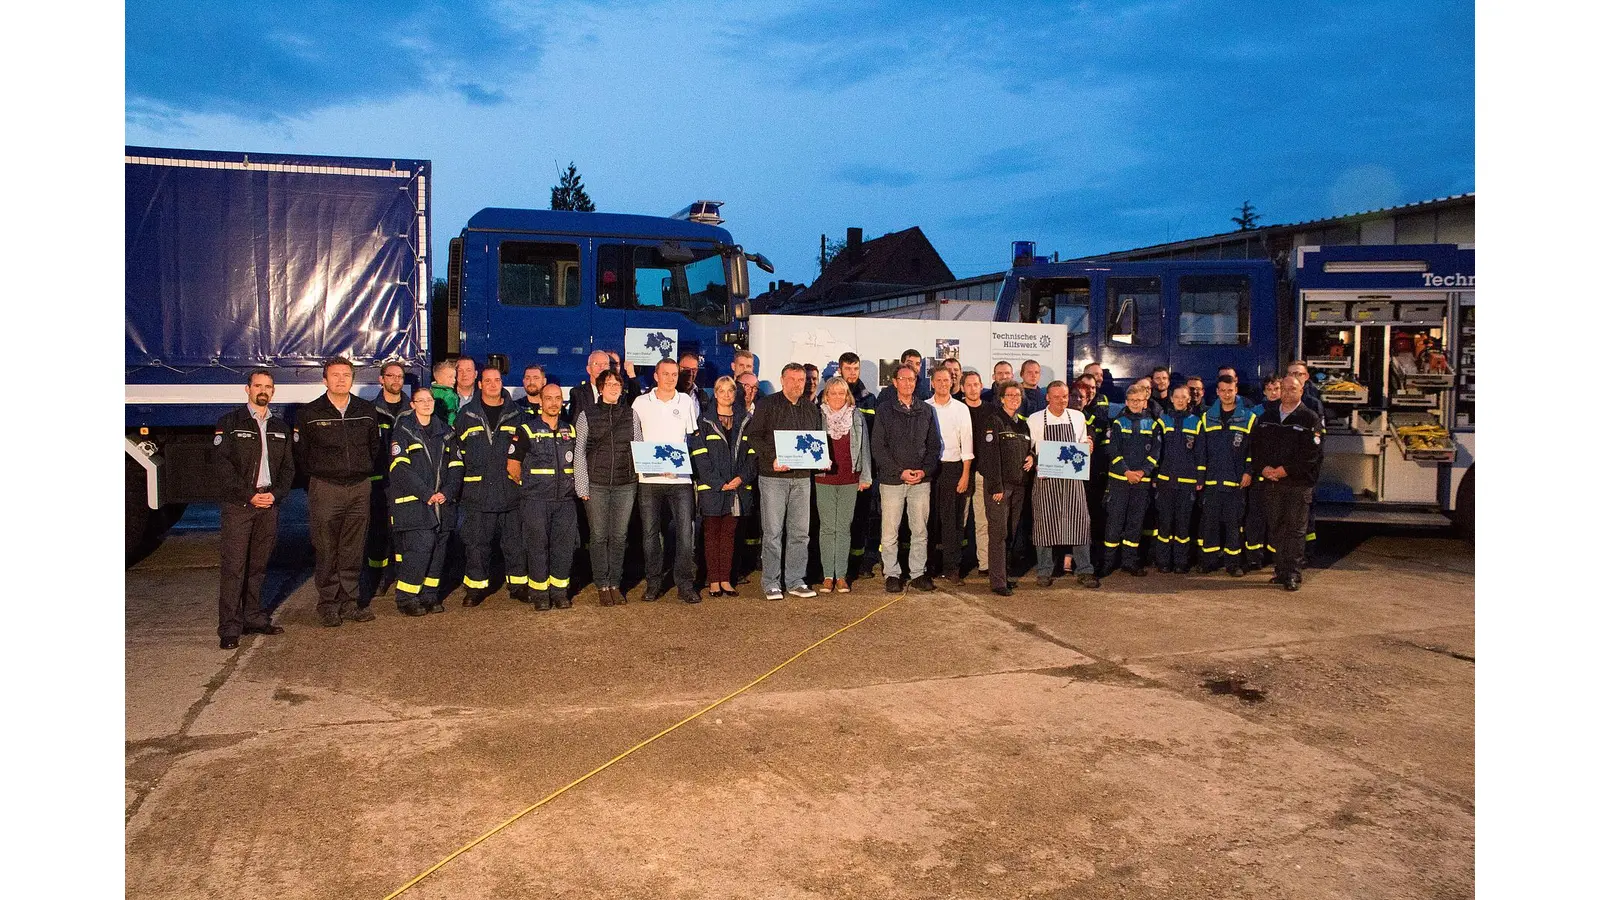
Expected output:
(559, 598)
(474, 597)
(541, 600)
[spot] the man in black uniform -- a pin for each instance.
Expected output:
(541, 460)
(1004, 453)
(391, 402)
(337, 445)
(484, 426)
(1287, 456)
(257, 468)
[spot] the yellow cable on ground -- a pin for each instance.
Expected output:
(630, 751)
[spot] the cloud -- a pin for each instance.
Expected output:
(478, 95)
(878, 176)
(284, 60)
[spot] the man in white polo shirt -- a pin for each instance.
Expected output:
(954, 484)
(666, 415)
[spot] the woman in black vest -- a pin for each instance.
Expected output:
(607, 483)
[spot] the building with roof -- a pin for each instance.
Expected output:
(1446, 220)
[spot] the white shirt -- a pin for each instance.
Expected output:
(1043, 417)
(665, 420)
(955, 429)
(264, 471)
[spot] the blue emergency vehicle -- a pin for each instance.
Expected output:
(1189, 315)
(237, 261)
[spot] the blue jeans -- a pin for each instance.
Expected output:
(911, 502)
(609, 508)
(785, 531)
(1081, 561)
(678, 499)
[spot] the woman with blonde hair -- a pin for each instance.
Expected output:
(837, 486)
(724, 473)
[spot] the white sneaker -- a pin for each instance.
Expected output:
(774, 594)
(802, 590)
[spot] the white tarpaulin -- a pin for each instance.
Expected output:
(776, 340)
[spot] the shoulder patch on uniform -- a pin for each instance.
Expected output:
(988, 437)
(217, 441)
(511, 449)
(394, 449)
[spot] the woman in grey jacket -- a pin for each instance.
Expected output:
(836, 487)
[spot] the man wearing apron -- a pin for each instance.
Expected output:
(1060, 510)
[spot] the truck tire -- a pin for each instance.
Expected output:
(139, 512)
(1464, 511)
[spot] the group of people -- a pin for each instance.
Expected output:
(394, 485)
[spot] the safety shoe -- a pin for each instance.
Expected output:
(559, 599)
(1236, 571)
(1165, 570)
(522, 593)
(652, 593)
(1087, 579)
(474, 597)
(329, 618)
(411, 609)
(228, 643)
(360, 614)
(893, 585)
(436, 606)
(774, 593)
(1291, 583)
(803, 590)
(540, 600)
(1003, 590)
(1135, 571)
(922, 582)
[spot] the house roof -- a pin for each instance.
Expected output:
(897, 259)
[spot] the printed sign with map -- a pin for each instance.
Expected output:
(648, 346)
(1064, 459)
(661, 458)
(801, 449)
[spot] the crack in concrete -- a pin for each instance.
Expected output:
(1381, 774)
(171, 748)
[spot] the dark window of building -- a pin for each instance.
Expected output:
(1133, 311)
(538, 274)
(1214, 309)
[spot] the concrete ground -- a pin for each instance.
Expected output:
(1185, 737)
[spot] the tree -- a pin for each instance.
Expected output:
(828, 251)
(1247, 218)
(569, 192)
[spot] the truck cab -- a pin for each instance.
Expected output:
(1189, 315)
(551, 286)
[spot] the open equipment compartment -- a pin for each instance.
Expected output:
(1379, 326)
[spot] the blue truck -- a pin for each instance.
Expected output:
(237, 261)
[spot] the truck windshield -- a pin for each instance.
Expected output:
(697, 289)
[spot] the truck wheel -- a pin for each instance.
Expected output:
(1464, 512)
(138, 511)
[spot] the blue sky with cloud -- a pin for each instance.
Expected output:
(1086, 127)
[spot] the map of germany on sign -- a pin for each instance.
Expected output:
(1074, 456)
(809, 444)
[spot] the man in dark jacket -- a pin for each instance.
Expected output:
(541, 459)
(1005, 457)
(489, 502)
(785, 492)
(1287, 455)
(337, 444)
(905, 458)
(256, 471)
(390, 403)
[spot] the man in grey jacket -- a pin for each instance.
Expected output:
(905, 458)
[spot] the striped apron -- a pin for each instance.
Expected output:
(1060, 512)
